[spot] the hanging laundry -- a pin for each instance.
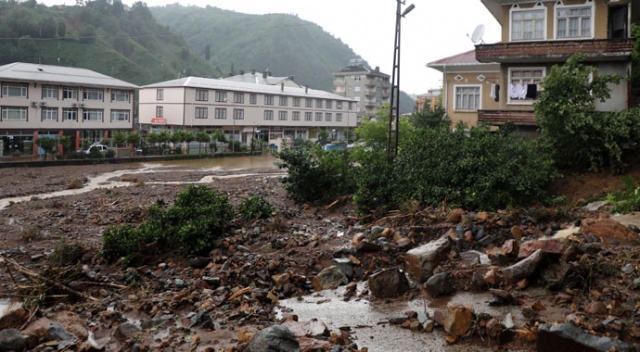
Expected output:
(497, 93)
(532, 91)
(522, 91)
(513, 90)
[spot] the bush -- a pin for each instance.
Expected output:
(120, 242)
(317, 175)
(110, 154)
(628, 198)
(95, 153)
(255, 207)
(76, 155)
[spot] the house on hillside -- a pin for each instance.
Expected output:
(276, 114)
(538, 35)
(369, 87)
(467, 86)
(49, 101)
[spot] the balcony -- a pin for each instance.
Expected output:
(499, 117)
(554, 51)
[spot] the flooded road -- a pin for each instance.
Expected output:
(113, 179)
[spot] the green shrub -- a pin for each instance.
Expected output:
(255, 207)
(316, 175)
(95, 153)
(120, 242)
(110, 153)
(628, 198)
(198, 217)
(76, 155)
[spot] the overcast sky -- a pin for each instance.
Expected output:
(432, 31)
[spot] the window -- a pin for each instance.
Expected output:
(159, 111)
(49, 92)
(339, 117)
(308, 116)
(92, 115)
(120, 95)
(49, 114)
(524, 84)
(573, 21)
(268, 115)
(14, 90)
(14, 113)
(357, 78)
(221, 96)
(202, 112)
(295, 116)
(69, 114)
(356, 88)
(92, 94)
(120, 115)
(528, 24)
(308, 102)
(327, 117)
(350, 105)
(160, 94)
(70, 93)
(318, 116)
(253, 98)
(467, 97)
(221, 114)
(296, 102)
(238, 114)
(202, 95)
(268, 99)
(284, 101)
(319, 103)
(282, 115)
(339, 105)
(329, 104)
(238, 98)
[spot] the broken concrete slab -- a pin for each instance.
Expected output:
(422, 260)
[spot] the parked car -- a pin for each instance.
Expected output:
(101, 147)
(334, 147)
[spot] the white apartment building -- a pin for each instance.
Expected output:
(276, 114)
(48, 101)
(370, 88)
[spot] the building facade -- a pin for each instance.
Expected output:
(49, 101)
(467, 87)
(538, 35)
(276, 114)
(369, 88)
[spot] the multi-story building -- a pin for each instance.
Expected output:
(369, 88)
(276, 114)
(467, 86)
(48, 101)
(537, 35)
(429, 100)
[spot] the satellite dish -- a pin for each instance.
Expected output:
(476, 36)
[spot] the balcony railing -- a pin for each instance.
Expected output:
(499, 117)
(556, 50)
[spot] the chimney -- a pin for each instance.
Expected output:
(264, 74)
(241, 72)
(306, 89)
(282, 87)
(253, 72)
(377, 68)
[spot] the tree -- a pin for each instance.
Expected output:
(120, 138)
(202, 137)
(46, 143)
(580, 136)
(134, 138)
(66, 144)
(428, 118)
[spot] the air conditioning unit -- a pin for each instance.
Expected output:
(42, 104)
(74, 105)
(81, 106)
(34, 104)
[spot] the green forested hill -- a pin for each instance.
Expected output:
(103, 36)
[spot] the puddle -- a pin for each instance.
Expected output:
(111, 179)
(4, 305)
(368, 321)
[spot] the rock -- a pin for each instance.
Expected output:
(422, 260)
(344, 264)
(482, 216)
(246, 334)
(439, 284)
(388, 283)
(281, 279)
(553, 247)
(470, 257)
(364, 244)
(313, 328)
(428, 325)
(199, 262)
(568, 338)
(627, 269)
(597, 308)
(201, 320)
(493, 276)
(213, 282)
(510, 248)
(274, 339)
(57, 332)
(458, 319)
(595, 206)
(504, 296)
(455, 216)
(14, 317)
(11, 340)
(126, 331)
(73, 323)
(524, 268)
(636, 284)
(329, 278)
(607, 229)
(517, 232)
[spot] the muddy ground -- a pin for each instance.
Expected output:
(169, 302)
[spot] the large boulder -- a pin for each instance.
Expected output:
(274, 339)
(422, 260)
(607, 230)
(388, 283)
(439, 284)
(11, 340)
(524, 268)
(329, 278)
(568, 338)
(458, 319)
